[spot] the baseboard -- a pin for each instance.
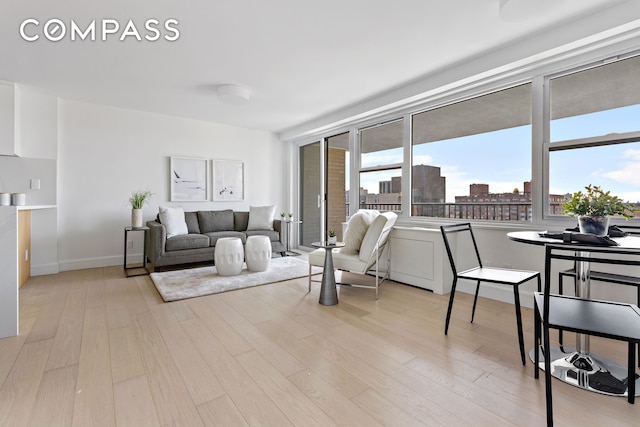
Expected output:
(44, 269)
(81, 264)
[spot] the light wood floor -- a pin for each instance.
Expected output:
(96, 348)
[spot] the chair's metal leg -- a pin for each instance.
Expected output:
(631, 376)
(536, 340)
(475, 300)
(638, 303)
(547, 378)
(516, 295)
(561, 292)
(377, 278)
(310, 267)
(452, 294)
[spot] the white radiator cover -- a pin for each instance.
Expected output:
(418, 258)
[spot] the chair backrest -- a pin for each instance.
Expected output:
(579, 253)
(376, 238)
(356, 229)
(465, 232)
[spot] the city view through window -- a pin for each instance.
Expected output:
(472, 159)
(488, 175)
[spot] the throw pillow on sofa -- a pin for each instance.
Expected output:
(261, 217)
(173, 220)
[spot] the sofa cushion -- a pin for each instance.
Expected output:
(186, 241)
(273, 236)
(213, 237)
(172, 217)
(240, 220)
(212, 221)
(356, 229)
(191, 218)
(261, 217)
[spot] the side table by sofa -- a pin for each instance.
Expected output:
(129, 268)
(287, 235)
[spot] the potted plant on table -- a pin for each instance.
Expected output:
(331, 236)
(594, 208)
(137, 200)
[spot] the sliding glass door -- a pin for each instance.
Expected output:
(337, 182)
(311, 189)
(324, 184)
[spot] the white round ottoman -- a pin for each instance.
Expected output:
(257, 253)
(228, 256)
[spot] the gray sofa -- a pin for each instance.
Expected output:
(205, 228)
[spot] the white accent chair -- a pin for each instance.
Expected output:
(366, 258)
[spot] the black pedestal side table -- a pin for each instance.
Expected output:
(128, 269)
(287, 234)
(328, 291)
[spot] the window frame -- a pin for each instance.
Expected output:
(380, 168)
(483, 91)
(547, 146)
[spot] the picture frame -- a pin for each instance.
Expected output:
(189, 179)
(228, 180)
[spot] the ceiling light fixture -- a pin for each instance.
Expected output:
(233, 94)
(521, 10)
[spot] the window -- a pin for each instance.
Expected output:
(468, 154)
(595, 131)
(381, 158)
(471, 158)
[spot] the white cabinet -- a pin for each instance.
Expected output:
(15, 256)
(7, 120)
(418, 258)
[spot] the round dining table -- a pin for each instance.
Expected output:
(573, 365)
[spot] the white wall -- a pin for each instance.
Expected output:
(105, 153)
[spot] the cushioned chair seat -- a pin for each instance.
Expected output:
(186, 241)
(349, 262)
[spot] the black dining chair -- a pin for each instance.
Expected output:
(479, 273)
(608, 319)
(600, 276)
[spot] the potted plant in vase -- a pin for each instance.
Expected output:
(594, 208)
(331, 236)
(137, 200)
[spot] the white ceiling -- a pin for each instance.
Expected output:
(302, 59)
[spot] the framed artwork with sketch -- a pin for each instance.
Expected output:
(189, 179)
(228, 180)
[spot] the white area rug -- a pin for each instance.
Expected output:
(195, 282)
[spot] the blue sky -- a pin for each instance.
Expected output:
(502, 158)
